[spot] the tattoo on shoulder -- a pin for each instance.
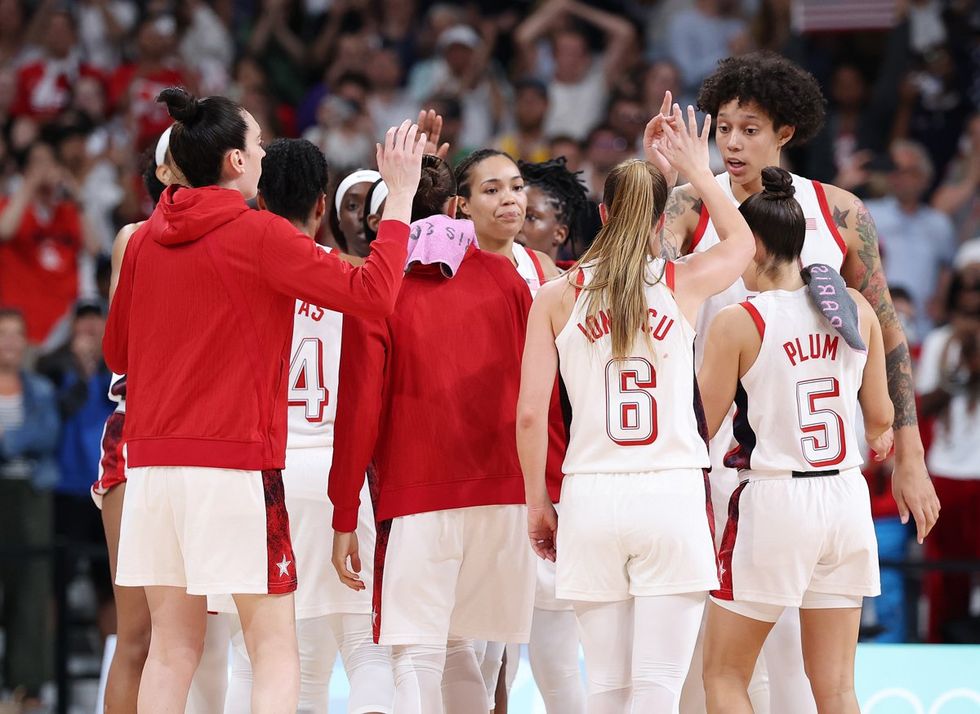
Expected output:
(679, 202)
(840, 217)
(901, 389)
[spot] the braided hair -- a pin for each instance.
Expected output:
(567, 194)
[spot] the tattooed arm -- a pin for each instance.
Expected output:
(682, 213)
(863, 271)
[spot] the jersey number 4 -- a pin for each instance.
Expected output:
(823, 443)
(306, 379)
(631, 410)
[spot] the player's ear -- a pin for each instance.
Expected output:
(462, 209)
(451, 206)
(560, 235)
(784, 134)
(603, 213)
(320, 209)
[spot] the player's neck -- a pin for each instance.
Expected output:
(499, 247)
(785, 277)
(305, 227)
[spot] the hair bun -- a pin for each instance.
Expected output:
(777, 183)
(181, 104)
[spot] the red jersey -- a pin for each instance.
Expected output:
(137, 94)
(39, 266)
(430, 394)
(44, 87)
(202, 320)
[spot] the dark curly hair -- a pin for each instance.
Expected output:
(787, 93)
(294, 176)
(568, 195)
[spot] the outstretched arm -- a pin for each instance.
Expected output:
(863, 271)
(618, 31)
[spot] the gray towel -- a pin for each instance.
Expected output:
(828, 293)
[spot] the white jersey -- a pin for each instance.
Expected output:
(796, 406)
(636, 414)
(313, 376)
(529, 268)
(822, 244)
(117, 391)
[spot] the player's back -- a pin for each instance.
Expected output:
(636, 414)
(797, 403)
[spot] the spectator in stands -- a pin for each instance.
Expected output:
(102, 29)
(44, 85)
(604, 148)
(134, 87)
(388, 103)
(527, 141)
(660, 77)
(917, 242)
(344, 131)
(12, 26)
(41, 237)
(578, 87)
(28, 469)
(699, 36)
(628, 118)
(274, 38)
(948, 383)
(571, 149)
(205, 44)
(959, 195)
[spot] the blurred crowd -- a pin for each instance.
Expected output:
(78, 120)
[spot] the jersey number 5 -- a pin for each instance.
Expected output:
(306, 379)
(631, 410)
(824, 444)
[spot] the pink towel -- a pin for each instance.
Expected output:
(440, 240)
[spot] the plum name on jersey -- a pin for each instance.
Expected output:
(595, 327)
(819, 345)
(311, 311)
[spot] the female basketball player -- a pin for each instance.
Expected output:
(202, 337)
(795, 359)
(763, 103)
(491, 194)
(132, 613)
(556, 200)
(634, 547)
(347, 211)
(328, 615)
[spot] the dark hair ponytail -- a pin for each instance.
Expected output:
(436, 186)
(775, 216)
(205, 130)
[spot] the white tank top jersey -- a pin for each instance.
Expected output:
(529, 268)
(823, 244)
(117, 391)
(314, 369)
(636, 414)
(796, 407)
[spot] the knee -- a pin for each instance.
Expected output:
(830, 685)
(132, 647)
(720, 678)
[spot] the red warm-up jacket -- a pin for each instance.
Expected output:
(202, 319)
(429, 395)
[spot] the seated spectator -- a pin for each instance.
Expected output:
(344, 131)
(102, 29)
(578, 86)
(274, 39)
(699, 36)
(41, 237)
(659, 78)
(948, 383)
(28, 470)
(627, 117)
(604, 148)
(527, 142)
(903, 219)
(388, 103)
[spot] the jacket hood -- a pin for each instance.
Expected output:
(187, 214)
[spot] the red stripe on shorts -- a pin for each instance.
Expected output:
(380, 550)
(112, 465)
(279, 547)
(725, 592)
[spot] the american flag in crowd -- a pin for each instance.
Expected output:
(835, 15)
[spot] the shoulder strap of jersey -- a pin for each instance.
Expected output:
(579, 282)
(827, 216)
(669, 274)
(533, 255)
(756, 316)
(700, 229)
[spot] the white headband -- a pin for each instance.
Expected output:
(378, 197)
(359, 176)
(163, 143)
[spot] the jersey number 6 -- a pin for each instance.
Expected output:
(306, 379)
(631, 410)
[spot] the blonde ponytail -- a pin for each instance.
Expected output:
(635, 194)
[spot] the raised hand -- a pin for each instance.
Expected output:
(653, 139)
(431, 123)
(683, 147)
(400, 159)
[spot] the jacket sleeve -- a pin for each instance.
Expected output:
(38, 435)
(294, 265)
(115, 340)
(364, 350)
